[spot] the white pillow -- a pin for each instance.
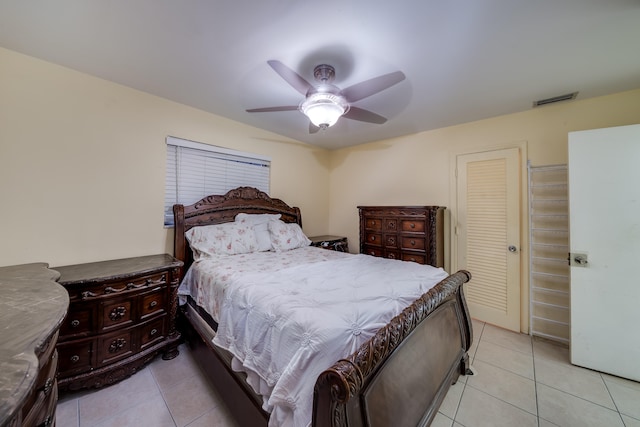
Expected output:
(260, 227)
(230, 238)
(285, 236)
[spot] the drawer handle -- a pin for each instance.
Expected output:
(392, 241)
(392, 224)
(75, 358)
(88, 294)
(153, 304)
(75, 323)
(391, 256)
(118, 313)
(117, 345)
(153, 332)
(373, 238)
(48, 385)
(413, 243)
(412, 259)
(372, 253)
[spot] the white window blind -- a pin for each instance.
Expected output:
(195, 170)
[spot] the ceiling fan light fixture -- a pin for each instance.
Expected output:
(324, 109)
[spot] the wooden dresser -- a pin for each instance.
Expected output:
(408, 233)
(32, 306)
(122, 314)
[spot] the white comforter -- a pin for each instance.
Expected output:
(284, 327)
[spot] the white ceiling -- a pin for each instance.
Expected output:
(464, 60)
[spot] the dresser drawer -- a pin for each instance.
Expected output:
(114, 346)
(116, 313)
(153, 303)
(412, 225)
(79, 321)
(391, 225)
(372, 250)
(373, 223)
(391, 241)
(419, 258)
(391, 254)
(413, 243)
(373, 239)
(152, 332)
(75, 357)
(43, 410)
(90, 291)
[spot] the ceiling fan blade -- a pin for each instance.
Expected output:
(363, 115)
(270, 109)
(313, 128)
(291, 77)
(372, 86)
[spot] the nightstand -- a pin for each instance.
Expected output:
(334, 243)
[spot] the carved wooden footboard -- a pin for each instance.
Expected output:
(397, 378)
(402, 374)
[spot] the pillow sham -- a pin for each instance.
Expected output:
(285, 237)
(230, 238)
(260, 227)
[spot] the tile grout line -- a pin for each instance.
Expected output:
(612, 399)
(535, 380)
(164, 400)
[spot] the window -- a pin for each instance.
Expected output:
(195, 170)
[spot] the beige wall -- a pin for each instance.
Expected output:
(82, 164)
(417, 169)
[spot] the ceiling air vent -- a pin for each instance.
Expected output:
(555, 99)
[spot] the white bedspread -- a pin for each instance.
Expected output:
(285, 326)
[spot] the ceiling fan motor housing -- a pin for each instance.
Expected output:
(324, 73)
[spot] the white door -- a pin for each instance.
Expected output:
(488, 234)
(604, 205)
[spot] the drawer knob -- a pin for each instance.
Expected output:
(392, 240)
(75, 323)
(48, 385)
(412, 225)
(413, 243)
(392, 224)
(373, 223)
(153, 332)
(372, 253)
(153, 304)
(75, 358)
(117, 345)
(373, 238)
(391, 256)
(412, 259)
(117, 313)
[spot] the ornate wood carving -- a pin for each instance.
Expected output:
(345, 379)
(217, 209)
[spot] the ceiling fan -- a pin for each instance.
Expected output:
(325, 103)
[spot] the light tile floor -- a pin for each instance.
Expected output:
(518, 381)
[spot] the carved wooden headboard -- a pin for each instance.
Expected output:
(216, 209)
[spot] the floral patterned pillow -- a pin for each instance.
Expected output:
(285, 236)
(259, 222)
(230, 238)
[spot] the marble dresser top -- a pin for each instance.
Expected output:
(32, 307)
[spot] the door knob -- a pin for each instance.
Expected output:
(512, 248)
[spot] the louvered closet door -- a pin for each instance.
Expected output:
(488, 234)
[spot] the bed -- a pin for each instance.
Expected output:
(398, 374)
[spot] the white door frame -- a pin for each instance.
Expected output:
(524, 219)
